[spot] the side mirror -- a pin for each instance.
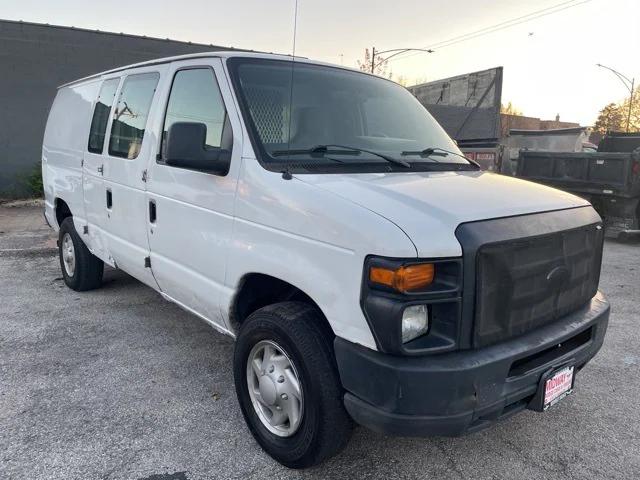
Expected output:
(186, 148)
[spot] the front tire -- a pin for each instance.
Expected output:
(81, 269)
(288, 385)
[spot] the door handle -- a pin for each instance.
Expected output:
(152, 211)
(101, 169)
(109, 199)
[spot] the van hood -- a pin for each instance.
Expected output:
(429, 206)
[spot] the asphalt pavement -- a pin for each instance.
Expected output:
(119, 384)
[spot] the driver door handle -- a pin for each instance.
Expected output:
(152, 211)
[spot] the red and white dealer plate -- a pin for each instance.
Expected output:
(558, 386)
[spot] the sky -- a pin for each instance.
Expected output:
(549, 62)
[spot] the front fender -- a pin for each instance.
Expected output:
(312, 239)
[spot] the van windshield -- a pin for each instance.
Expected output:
(309, 117)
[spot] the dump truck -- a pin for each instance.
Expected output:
(608, 178)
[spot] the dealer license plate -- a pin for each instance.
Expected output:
(558, 386)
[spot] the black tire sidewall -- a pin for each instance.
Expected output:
(291, 451)
(88, 270)
(67, 226)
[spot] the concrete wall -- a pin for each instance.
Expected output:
(34, 60)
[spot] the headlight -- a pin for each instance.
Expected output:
(412, 305)
(415, 322)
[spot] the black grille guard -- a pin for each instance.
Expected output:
(503, 233)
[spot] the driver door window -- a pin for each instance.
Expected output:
(195, 97)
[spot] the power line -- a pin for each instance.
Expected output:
(500, 26)
(507, 23)
(515, 23)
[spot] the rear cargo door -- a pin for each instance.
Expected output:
(95, 198)
(127, 152)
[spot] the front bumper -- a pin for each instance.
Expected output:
(459, 392)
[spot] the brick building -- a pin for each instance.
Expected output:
(520, 122)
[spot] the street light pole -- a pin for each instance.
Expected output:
(398, 52)
(633, 80)
(629, 85)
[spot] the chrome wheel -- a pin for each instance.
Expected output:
(274, 388)
(68, 254)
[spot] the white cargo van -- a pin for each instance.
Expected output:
(322, 218)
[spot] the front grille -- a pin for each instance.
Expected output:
(522, 284)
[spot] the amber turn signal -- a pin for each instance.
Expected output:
(409, 278)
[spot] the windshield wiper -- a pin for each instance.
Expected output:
(319, 150)
(344, 150)
(431, 151)
(427, 152)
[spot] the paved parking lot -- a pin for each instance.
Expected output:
(119, 384)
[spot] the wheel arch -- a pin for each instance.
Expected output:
(257, 290)
(62, 210)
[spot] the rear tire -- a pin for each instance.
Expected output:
(81, 269)
(296, 329)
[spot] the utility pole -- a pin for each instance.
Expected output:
(633, 81)
(629, 85)
(398, 52)
(373, 59)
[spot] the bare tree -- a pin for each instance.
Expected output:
(380, 68)
(510, 109)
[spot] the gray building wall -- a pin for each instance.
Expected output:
(34, 60)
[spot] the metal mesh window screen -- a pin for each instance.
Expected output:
(269, 112)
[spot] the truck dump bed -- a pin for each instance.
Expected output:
(610, 181)
(582, 173)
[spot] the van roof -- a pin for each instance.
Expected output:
(215, 54)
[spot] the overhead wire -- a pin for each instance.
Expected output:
(559, 7)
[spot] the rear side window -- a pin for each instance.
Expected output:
(130, 116)
(101, 115)
(195, 97)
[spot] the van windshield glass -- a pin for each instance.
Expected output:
(301, 114)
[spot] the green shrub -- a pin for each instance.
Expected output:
(33, 182)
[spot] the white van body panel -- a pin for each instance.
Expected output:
(313, 231)
(312, 239)
(63, 149)
(429, 206)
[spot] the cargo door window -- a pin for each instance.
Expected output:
(101, 113)
(130, 116)
(195, 97)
